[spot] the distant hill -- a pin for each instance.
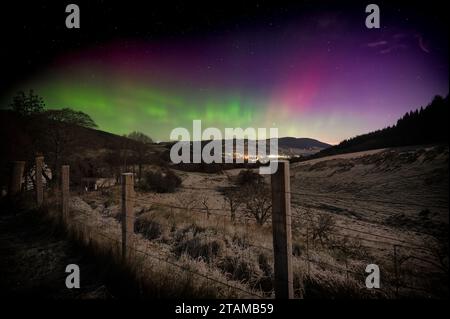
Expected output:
(423, 126)
(301, 143)
(14, 137)
(89, 151)
(291, 146)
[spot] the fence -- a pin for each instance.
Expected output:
(394, 251)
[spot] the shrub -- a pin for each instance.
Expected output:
(237, 268)
(148, 228)
(322, 229)
(200, 246)
(187, 231)
(241, 267)
(264, 264)
(241, 240)
(249, 177)
(160, 182)
(265, 282)
(297, 249)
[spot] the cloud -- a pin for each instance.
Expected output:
(422, 45)
(394, 43)
(377, 44)
(392, 48)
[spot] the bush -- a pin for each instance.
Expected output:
(237, 268)
(249, 177)
(241, 267)
(201, 246)
(323, 228)
(160, 182)
(148, 228)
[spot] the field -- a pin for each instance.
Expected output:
(387, 207)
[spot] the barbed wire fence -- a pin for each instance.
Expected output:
(392, 253)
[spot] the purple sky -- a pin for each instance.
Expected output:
(322, 75)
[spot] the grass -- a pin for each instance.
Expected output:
(240, 255)
(153, 263)
(213, 257)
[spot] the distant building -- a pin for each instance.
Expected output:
(94, 183)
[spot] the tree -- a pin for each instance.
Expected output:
(27, 105)
(70, 117)
(426, 125)
(140, 148)
(322, 228)
(258, 203)
(140, 137)
(233, 198)
(59, 135)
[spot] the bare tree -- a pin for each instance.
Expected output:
(258, 203)
(205, 203)
(322, 228)
(141, 149)
(233, 198)
(188, 201)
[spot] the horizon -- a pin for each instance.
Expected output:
(279, 137)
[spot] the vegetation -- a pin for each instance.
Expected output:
(249, 177)
(194, 239)
(160, 181)
(423, 126)
(234, 199)
(69, 117)
(66, 136)
(258, 203)
(141, 149)
(27, 104)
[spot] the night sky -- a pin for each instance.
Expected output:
(311, 69)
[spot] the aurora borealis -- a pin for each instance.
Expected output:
(324, 77)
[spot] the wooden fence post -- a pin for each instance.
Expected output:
(38, 179)
(397, 281)
(127, 212)
(307, 249)
(281, 228)
(65, 192)
(15, 184)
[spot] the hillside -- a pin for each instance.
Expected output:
(423, 126)
(14, 128)
(301, 143)
(347, 211)
(291, 145)
(88, 150)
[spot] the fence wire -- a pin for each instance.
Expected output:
(304, 214)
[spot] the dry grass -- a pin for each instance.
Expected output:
(239, 253)
(153, 262)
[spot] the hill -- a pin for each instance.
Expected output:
(423, 126)
(301, 143)
(87, 150)
(15, 137)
